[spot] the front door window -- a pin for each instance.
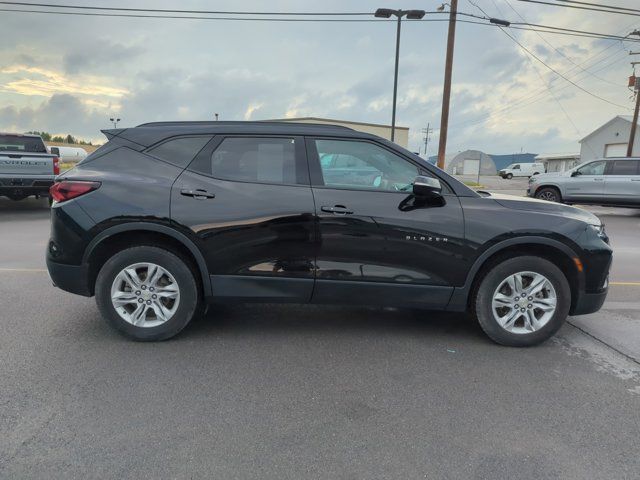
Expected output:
(363, 165)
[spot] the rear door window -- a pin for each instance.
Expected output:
(179, 151)
(624, 167)
(253, 159)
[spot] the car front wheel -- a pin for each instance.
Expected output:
(522, 301)
(147, 293)
(509, 176)
(550, 194)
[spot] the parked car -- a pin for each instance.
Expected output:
(26, 167)
(607, 181)
(167, 216)
(521, 170)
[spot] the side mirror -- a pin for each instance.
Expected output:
(426, 187)
(55, 151)
(576, 173)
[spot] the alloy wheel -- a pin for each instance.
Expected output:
(524, 302)
(145, 295)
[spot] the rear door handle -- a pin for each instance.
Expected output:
(598, 179)
(198, 193)
(337, 210)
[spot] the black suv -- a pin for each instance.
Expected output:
(167, 216)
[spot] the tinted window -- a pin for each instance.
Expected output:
(364, 165)
(624, 167)
(179, 151)
(19, 143)
(245, 159)
(516, 167)
(593, 168)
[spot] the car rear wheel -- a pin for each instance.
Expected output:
(147, 293)
(550, 194)
(522, 301)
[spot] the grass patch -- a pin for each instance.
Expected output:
(473, 184)
(64, 166)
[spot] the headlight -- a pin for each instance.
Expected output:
(599, 229)
(532, 179)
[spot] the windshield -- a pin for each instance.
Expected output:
(20, 143)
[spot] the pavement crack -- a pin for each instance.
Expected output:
(618, 351)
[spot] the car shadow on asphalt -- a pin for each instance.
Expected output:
(268, 319)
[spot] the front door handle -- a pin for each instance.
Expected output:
(337, 210)
(198, 193)
(598, 179)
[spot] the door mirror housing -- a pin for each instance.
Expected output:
(427, 187)
(576, 173)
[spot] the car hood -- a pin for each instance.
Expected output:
(550, 176)
(533, 204)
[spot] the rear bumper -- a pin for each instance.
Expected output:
(24, 187)
(70, 278)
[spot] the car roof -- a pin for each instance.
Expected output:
(148, 134)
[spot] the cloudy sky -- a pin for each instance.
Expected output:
(67, 74)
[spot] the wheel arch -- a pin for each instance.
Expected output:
(548, 248)
(136, 233)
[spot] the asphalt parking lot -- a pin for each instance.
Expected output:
(308, 391)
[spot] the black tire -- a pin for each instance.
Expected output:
(509, 176)
(483, 296)
(550, 194)
(190, 303)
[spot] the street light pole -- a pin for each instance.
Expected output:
(412, 15)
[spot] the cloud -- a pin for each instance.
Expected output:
(62, 113)
(99, 54)
(44, 82)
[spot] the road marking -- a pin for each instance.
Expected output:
(632, 284)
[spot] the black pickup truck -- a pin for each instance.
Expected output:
(26, 167)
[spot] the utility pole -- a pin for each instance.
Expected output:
(446, 95)
(636, 89)
(427, 132)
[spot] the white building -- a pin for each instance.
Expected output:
(558, 162)
(384, 131)
(610, 140)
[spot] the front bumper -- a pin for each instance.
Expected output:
(588, 302)
(70, 278)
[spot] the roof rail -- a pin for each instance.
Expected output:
(229, 122)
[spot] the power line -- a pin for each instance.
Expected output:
(551, 68)
(160, 10)
(558, 50)
(583, 7)
(601, 5)
(561, 31)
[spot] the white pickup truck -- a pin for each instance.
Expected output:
(26, 167)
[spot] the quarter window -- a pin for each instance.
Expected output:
(593, 168)
(179, 151)
(624, 167)
(363, 165)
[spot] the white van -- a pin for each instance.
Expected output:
(521, 170)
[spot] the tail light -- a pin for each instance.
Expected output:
(56, 166)
(68, 189)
